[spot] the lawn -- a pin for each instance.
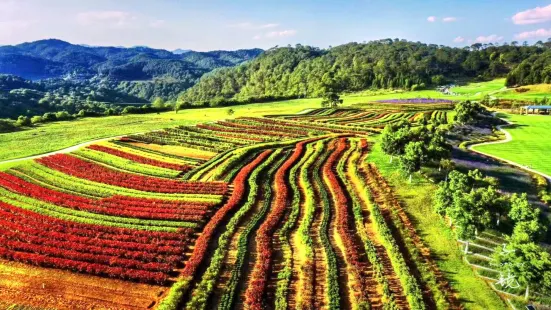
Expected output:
(473, 292)
(531, 144)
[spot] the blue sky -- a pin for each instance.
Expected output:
(233, 24)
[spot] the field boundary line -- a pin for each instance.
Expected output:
(508, 138)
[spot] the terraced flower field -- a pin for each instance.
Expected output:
(281, 212)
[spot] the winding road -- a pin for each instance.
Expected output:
(508, 138)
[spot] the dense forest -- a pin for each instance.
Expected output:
(535, 69)
(304, 71)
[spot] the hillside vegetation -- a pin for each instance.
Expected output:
(304, 71)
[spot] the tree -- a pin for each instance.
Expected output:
(528, 227)
(158, 103)
(470, 215)
(49, 117)
(395, 137)
(230, 112)
(527, 262)
(412, 159)
(447, 165)
(467, 111)
(331, 100)
(36, 119)
(23, 121)
(62, 115)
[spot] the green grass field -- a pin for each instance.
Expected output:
(55, 136)
(531, 144)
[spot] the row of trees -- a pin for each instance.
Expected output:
(471, 203)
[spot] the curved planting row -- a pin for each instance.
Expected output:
(228, 299)
(257, 284)
(117, 206)
(44, 241)
(305, 294)
(140, 159)
(421, 256)
(356, 268)
(284, 274)
(332, 277)
(49, 178)
(355, 184)
(180, 288)
(94, 172)
(409, 283)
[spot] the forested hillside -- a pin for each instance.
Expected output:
(304, 71)
(141, 72)
(55, 58)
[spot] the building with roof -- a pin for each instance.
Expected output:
(535, 109)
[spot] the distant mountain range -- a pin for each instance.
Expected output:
(54, 58)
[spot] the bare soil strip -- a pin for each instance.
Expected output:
(58, 289)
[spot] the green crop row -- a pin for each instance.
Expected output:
(332, 268)
(228, 298)
(361, 190)
(37, 206)
(409, 283)
(125, 165)
(284, 276)
(53, 179)
(204, 288)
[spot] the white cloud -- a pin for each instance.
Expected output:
(280, 34)
(251, 26)
(108, 18)
(545, 33)
(159, 23)
(257, 37)
(431, 19)
(268, 26)
(533, 16)
(449, 19)
(489, 39)
(459, 39)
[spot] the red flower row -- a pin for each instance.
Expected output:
(245, 129)
(259, 276)
(90, 268)
(130, 249)
(91, 171)
(237, 196)
(30, 235)
(41, 240)
(293, 124)
(108, 207)
(153, 238)
(268, 129)
(140, 159)
(344, 225)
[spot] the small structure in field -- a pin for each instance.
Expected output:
(535, 109)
